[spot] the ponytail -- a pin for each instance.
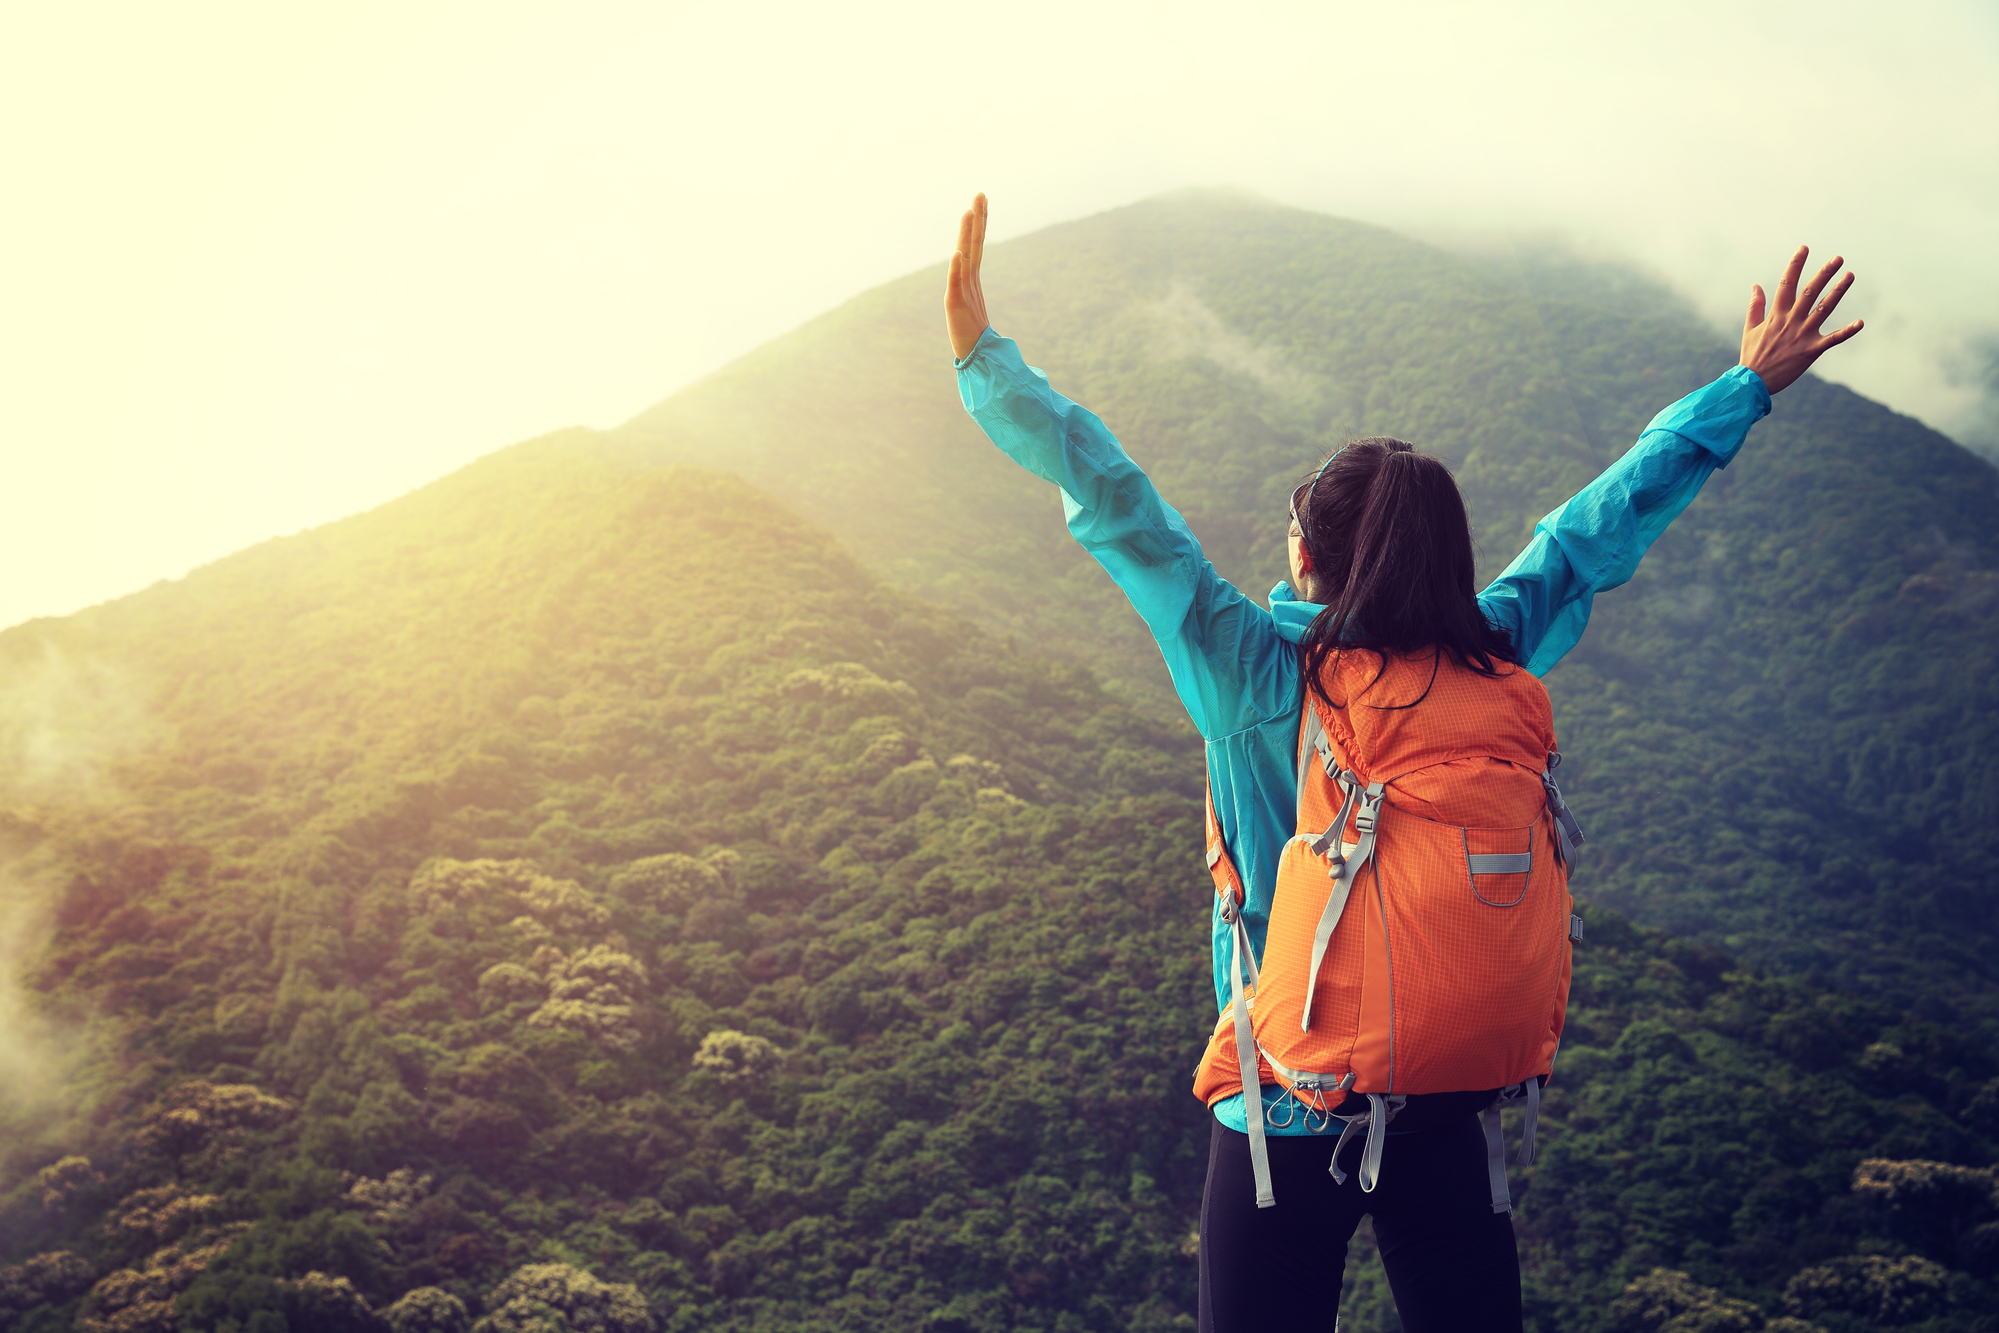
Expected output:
(1391, 553)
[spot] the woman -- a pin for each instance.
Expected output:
(1240, 670)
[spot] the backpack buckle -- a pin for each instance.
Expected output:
(1370, 811)
(1324, 745)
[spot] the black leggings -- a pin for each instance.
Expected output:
(1450, 1259)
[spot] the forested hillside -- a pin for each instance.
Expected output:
(563, 866)
(582, 895)
(1784, 735)
(579, 898)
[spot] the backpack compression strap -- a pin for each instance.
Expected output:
(1495, 1141)
(1380, 1110)
(1568, 833)
(1344, 868)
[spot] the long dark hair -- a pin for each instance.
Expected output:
(1391, 553)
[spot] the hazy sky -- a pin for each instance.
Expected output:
(268, 265)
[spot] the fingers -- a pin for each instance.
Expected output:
(954, 278)
(978, 251)
(965, 233)
(1757, 307)
(1819, 280)
(1787, 286)
(1823, 310)
(1835, 339)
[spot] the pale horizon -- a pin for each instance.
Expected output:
(275, 270)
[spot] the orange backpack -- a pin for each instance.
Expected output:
(1421, 927)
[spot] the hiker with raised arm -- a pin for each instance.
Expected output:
(1389, 846)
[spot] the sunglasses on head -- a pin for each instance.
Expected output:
(1298, 498)
(1302, 497)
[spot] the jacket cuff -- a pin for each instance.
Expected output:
(987, 339)
(1717, 417)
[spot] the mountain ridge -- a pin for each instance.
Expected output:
(878, 445)
(1229, 343)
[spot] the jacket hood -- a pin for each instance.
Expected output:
(1293, 616)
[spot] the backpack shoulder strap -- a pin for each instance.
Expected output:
(1364, 807)
(1362, 804)
(1315, 745)
(1242, 985)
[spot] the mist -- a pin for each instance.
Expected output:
(65, 719)
(39, 1064)
(1974, 369)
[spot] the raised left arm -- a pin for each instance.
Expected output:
(1593, 542)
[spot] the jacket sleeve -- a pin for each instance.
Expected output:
(1227, 660)
(1593, 543)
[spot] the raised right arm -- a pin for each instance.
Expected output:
(1229, 664)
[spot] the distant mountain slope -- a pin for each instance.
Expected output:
(1228, 341)
(585, 887)
(1782, 735)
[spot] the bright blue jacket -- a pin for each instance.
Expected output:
(1236, 666)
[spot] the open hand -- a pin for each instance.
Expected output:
(964, 299)
(1783, 346)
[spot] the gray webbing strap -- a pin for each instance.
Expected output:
(1312, 741)
(1533, 1114)
(1353, 1123)
(1315, 741)
(1336, 902)
(1495, 1160)
(1510, 863)
(1329, 843)
(1495, 1142)
(1245, 1051)
(1568, 833)
(1322, 745)
(1239, 943)
(1380, 1110)
(1379, 1113)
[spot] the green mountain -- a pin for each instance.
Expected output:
(583, 889)
(581, 895)
(1782, 734)
(606, 854)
